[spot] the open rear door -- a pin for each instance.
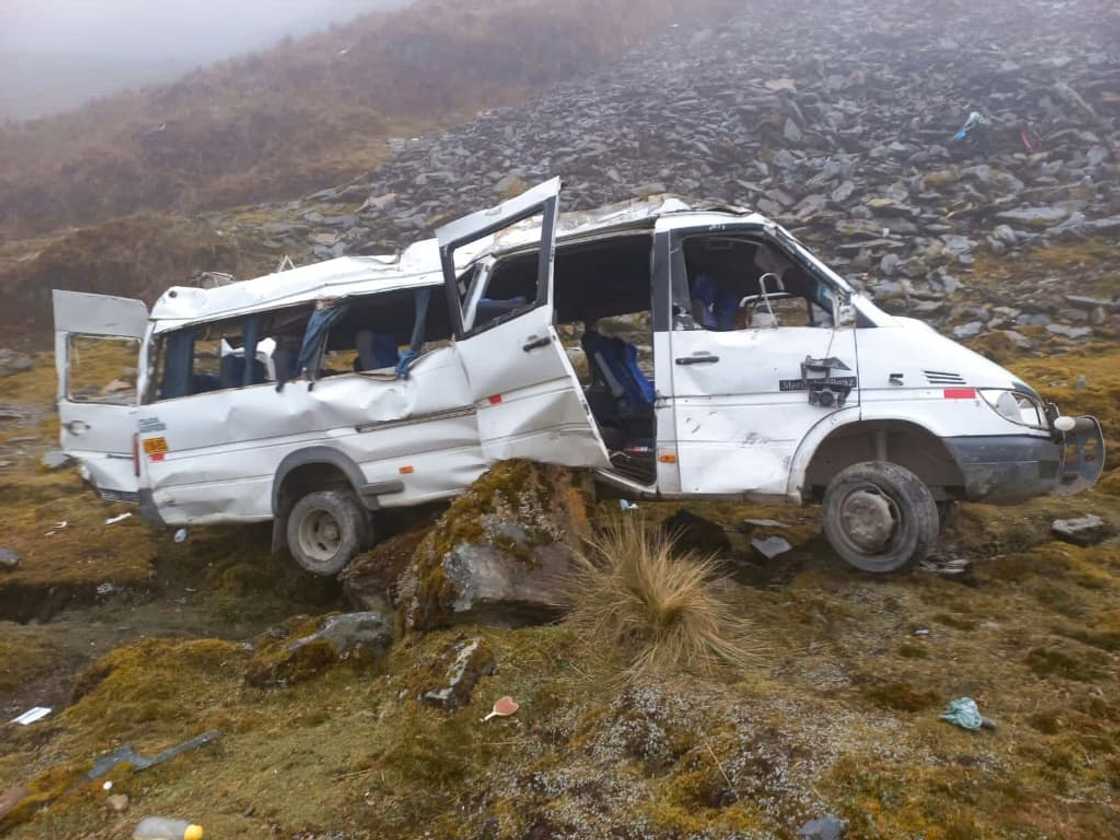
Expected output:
(529, 402)
(96, 350)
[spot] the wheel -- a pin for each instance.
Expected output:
(325, 530)
(879, 516)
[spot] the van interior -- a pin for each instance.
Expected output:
(603, 295)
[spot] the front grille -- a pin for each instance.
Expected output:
(941, 377)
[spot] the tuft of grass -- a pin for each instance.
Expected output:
(632, 596)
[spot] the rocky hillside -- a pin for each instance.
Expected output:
(307, 113)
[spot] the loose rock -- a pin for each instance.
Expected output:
(1084, 531)
(462, 665)
(303, 647)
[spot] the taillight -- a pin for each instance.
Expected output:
(136, 455)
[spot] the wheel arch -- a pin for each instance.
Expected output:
(305, 470)
(829, 448)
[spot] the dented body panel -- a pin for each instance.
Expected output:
(741, 413)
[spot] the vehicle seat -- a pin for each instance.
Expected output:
(286, 363)
(614, 367)
(233, 371)
(713, 306)
(376, 350)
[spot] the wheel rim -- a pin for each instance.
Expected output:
(869, 520)
(320, 536)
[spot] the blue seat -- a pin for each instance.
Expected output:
(717, 306)
(614, 367)
(376, 350)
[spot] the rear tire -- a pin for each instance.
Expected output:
(880, 517)
(325, 530)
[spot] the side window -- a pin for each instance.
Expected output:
(738, 283)
(376, 333)
(232, 353)
(102, 369)
(508, 289)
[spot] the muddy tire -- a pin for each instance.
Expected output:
(880, 517)
(325, 530)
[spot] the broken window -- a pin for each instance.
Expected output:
(232, 353)
(382, 333)
(102, 369)
(737, 283)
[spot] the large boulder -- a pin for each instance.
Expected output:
(495, 556)
(370, 582)
(303, 647)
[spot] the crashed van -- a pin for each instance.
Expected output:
(675, 352)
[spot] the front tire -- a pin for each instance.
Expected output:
(325, 530)
(880, 517)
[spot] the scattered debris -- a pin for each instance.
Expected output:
(166, 828)
(127, 755)
(626, 504)
(503, 707)
(1084, 530)
(763, 523)
(32, 715)
(9, 559)
(58, 526)
(112, 520)
(181, 535)
(463, 664)
(118, 802)
(964, 712)
(827, 827)
(771, 547)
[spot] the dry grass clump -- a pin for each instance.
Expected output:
(632, 597)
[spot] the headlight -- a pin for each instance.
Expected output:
(1014, 406)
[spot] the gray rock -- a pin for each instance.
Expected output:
(791, 132)
(12, 362)
(1066, 331)
(827, 827)
(1084, 530)
(1035, 217)
(462, 666)
(771, 547)
(9, 559)
(362, 638)
(969, 330)
(55, 459)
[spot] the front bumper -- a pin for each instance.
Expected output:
(1005, 469)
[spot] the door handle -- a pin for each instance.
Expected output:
(534, 343)
(705, 359)
(77, 427)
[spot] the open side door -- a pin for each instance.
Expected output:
(97, 341)
(529, 401)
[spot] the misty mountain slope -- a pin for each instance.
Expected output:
(307, 113)
(839, 125)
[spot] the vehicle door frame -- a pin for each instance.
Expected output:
(674, 288)
(506, 428)
(100, 317)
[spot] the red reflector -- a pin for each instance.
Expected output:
(494, 399)
(407, 470)
(960, 393)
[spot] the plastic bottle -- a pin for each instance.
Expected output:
(162, 828)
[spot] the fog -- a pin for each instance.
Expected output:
(55, 54)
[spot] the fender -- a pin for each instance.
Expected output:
(367, 493)
(315, 455)
(799, 464)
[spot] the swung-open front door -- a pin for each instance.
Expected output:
(529, 402)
